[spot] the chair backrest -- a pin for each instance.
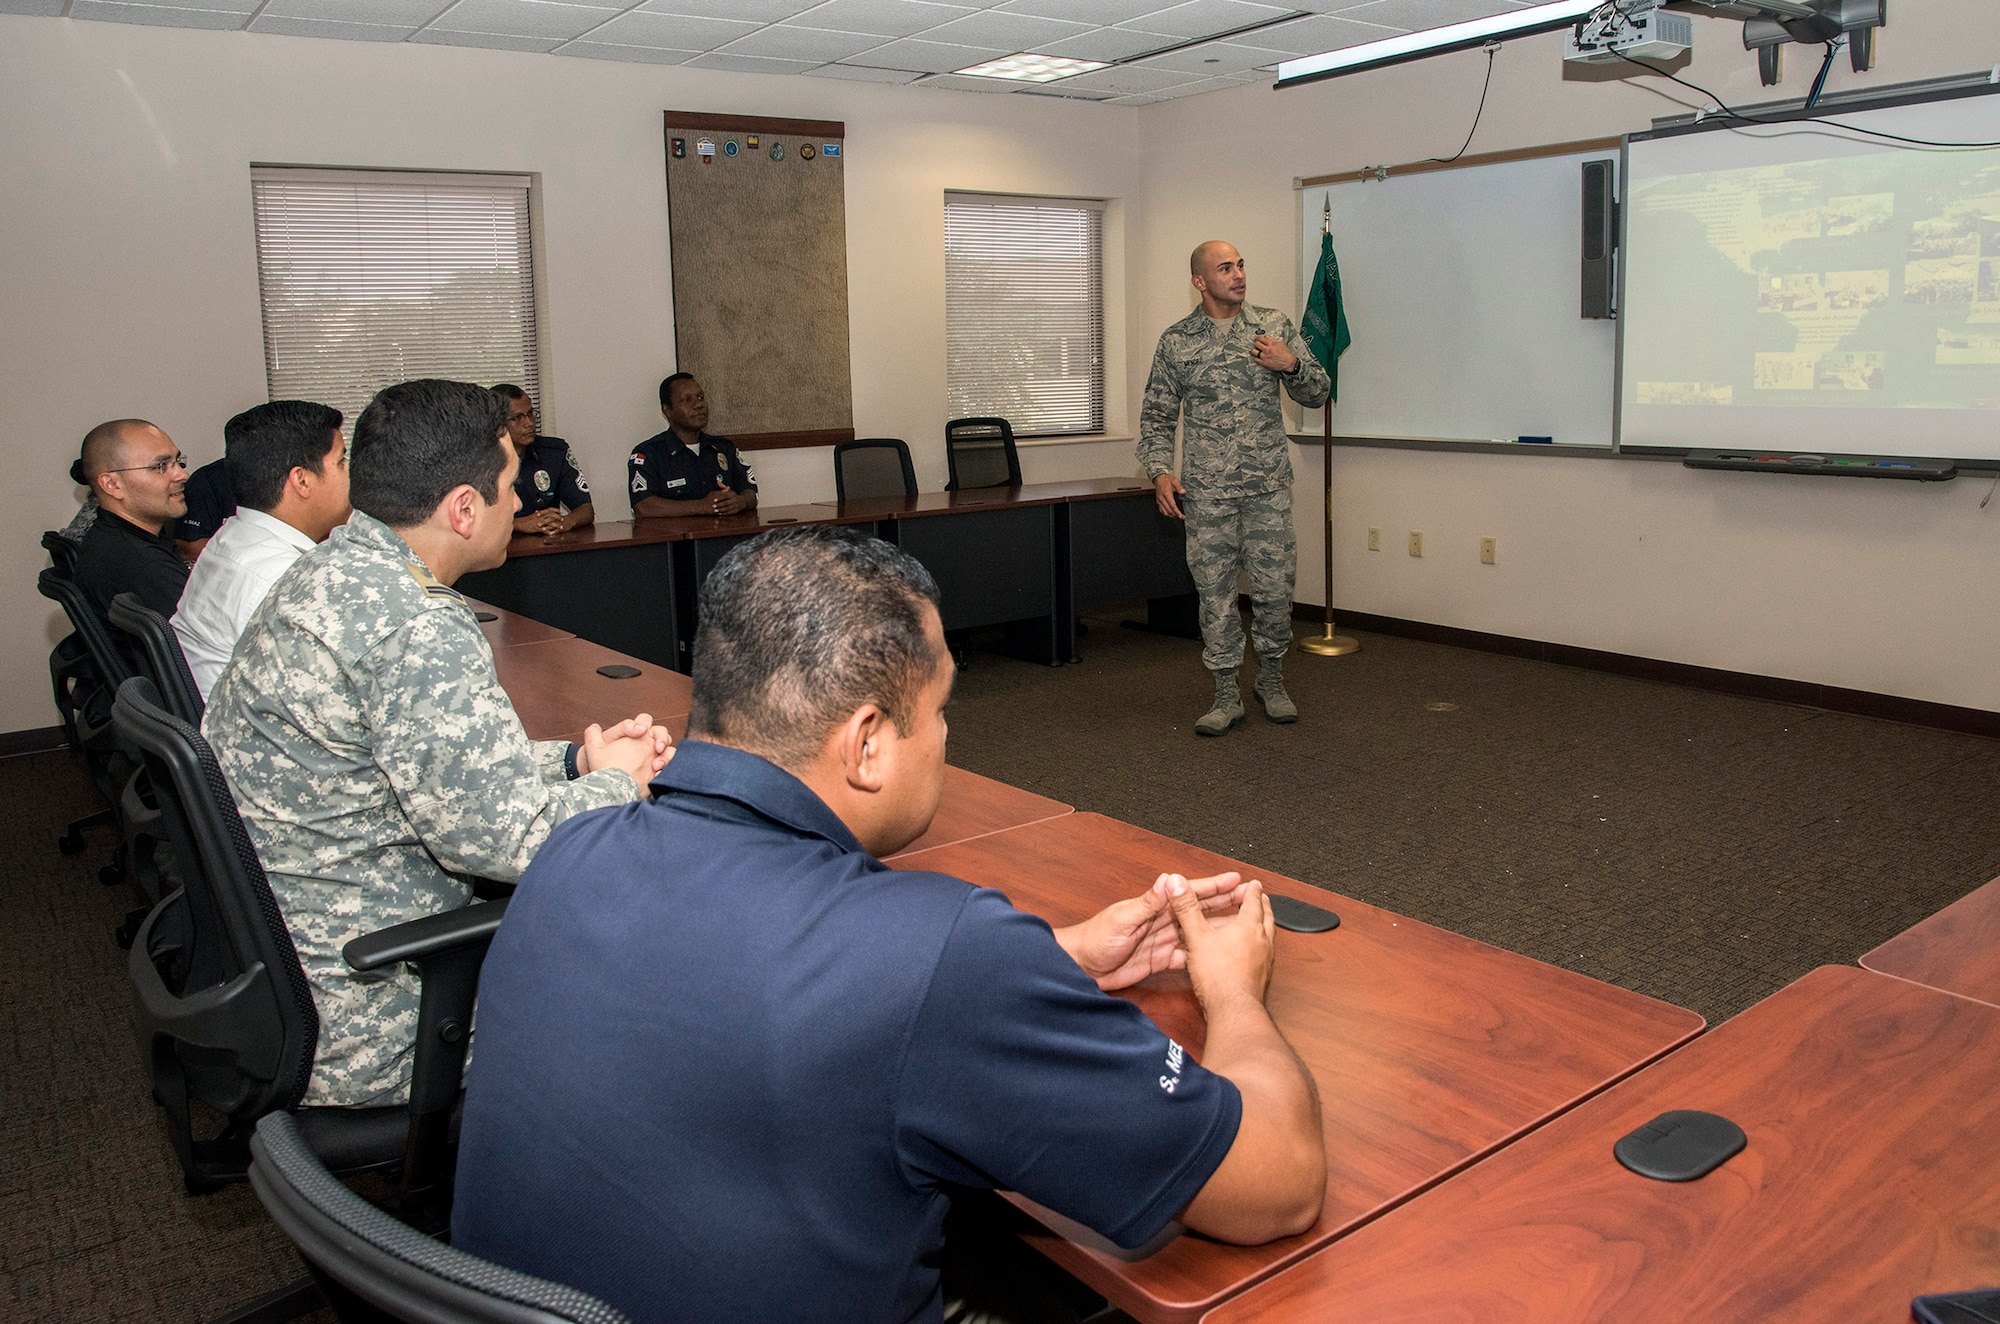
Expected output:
(62, 552)
(159, 654)
(221, 1004)
(113, 667)
(387, 1263)
(980, 452)
(875, 466)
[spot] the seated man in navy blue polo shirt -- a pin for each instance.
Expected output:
(684, 470)
(730, 1066)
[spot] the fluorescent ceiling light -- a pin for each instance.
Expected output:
(1025, 68)
(1434, 41)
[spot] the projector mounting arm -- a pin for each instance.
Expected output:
(1769, 24)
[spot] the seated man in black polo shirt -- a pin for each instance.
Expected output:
(731, 1066)
(554, 497)
(685, 471)
(139, 477)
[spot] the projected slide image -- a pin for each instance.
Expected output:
(1940, 280)
(1866, 280)
(1964, 347)
(1849, 371)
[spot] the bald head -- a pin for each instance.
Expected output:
(1199, 259)
(105, 446)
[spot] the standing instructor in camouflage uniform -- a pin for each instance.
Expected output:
(1217, 371)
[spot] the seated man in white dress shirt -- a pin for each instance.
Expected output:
(288, 464)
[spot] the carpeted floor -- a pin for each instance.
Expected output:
(1700, 848)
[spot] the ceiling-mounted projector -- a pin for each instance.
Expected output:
(1636, 30)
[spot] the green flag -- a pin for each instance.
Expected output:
(1325, 326)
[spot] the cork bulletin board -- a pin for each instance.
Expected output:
(757, 219)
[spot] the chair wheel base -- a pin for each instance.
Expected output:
(70, 842)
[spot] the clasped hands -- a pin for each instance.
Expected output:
(723, 501)
(636, 745)
(544, 522)
(1219, 929)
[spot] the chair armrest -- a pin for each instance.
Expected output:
(431, 935)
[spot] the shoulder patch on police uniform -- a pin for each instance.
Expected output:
(430, 586)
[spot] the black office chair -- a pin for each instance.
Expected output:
(86, 675)
(980, 453)
(158, 650)
(221, 1005)
(875, 466)
(371, 1266)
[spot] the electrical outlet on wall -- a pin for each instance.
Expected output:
(1486, 550)
(1416, 544)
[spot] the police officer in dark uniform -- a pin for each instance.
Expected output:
(554, 497)
(685, 471)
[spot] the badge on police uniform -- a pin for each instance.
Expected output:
(543, 482)
(722, 461)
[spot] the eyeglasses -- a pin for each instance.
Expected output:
(159, 466)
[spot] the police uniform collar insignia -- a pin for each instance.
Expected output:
(429, 583)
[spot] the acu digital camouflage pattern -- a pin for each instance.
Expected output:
(1253, 534)
(1233, 439)
(379, 766)
(1236, 464)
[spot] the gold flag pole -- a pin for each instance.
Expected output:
(1329, 644)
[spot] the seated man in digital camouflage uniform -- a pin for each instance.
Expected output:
(377, 763)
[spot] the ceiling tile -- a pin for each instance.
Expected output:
(284, 26)
(39, 8)
(1214, 57)
(925, 56)
(809, 45)
(1339, 6)
(1108, 44)
(1009, 32)
(160, 15)
(392, 13)
(599, 50)
(881, 18)
(1205, 18)
(670, 31)
(522, 18)
(1129, 78)
(1415, 15)
(1310, 36)
(492, 41)
(750, 64)
(761, 11)
(856, 74)
(1089, 11)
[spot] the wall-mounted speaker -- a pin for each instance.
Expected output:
(1600, 238)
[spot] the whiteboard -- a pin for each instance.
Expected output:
(1462, 289)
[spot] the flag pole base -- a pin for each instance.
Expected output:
(1331, 644)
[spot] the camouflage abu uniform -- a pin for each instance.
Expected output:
(377, 765)
(1236, 465)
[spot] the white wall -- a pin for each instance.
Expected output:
(1888, 587)
(128, 282)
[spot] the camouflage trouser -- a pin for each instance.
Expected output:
(1254, 534)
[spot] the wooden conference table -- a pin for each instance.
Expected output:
(1030, 557)
(1870, 1104)
(1957, 949)
(1431, 1050)
(558, 691)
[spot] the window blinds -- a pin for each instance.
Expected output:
(369, 278)
(1024, 312)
